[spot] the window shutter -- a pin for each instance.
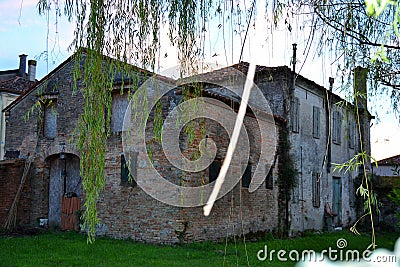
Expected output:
(351, 132)
(336, 132)
(316, 124)
(128, 175)
(339, 129)
(316, 198)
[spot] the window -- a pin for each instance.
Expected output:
(295, 115)
(215, 167)
(351, 134)
(50, 118)
(316, 190)
(269, 181)
(316, 126)
(246, 177)
(128, 173)
(336, 131)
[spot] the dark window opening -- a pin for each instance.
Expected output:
(128, 170)
(295, 115)
(316, 198)
(214, 169)
(337, 130)
(246, 177)
(50, 118)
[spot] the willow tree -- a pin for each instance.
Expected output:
(130, 31)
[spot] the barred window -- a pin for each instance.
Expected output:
(295, 115)
(316, 197)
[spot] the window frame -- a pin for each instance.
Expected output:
(316, 190)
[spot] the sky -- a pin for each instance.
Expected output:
(23, 31)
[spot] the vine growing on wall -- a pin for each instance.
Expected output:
(287, 177)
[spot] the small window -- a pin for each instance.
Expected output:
(351, 134)
(316, 125)
(269, 181)
(246, 177)
(50, 118)
(295, 115)
(336, 131)
(128, 173)
(215, 167)
(316, 190)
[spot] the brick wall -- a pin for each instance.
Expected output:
(10, 177)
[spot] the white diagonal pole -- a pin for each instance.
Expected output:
(236, 130)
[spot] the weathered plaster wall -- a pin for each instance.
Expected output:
(309, 153)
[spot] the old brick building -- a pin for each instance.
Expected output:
(301, 113)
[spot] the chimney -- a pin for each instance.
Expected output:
(31, 70)
(360, 100)
(22, 65)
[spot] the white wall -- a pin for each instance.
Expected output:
(5, 100)
(308, 153)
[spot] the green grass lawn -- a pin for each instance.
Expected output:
(71, 249)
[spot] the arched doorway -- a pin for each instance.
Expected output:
(65, 182)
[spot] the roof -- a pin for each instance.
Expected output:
(16, 85)
(395, 160)
(223, 73)
(117, 79)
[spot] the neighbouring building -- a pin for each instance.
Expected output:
(12, 84)
(386, 178)
(313, 132)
